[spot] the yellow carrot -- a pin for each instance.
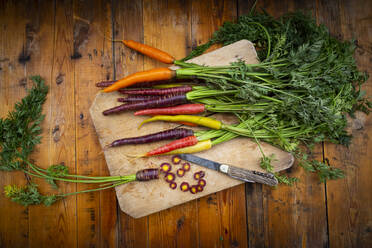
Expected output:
(199, 120)
(200, 146)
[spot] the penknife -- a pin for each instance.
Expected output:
(232, 171)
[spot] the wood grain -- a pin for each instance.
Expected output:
(349, 200)
(96, 211)
(214, 211)
(128, 24)
(166, 26)
(14, 219)
(59, 125)
(297, 213)
(285, 217)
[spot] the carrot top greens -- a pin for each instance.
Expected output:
(19, 133)
(306, 84)
(20, 130)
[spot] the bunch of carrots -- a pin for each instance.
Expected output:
(301, 92)
(154, 93)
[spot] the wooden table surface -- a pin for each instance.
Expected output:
(64, 42)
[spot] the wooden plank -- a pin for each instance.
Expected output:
(128, 24)
(51, 30)
(350, 200)
(166, 26)
(14, 218)
(221, 223)
(96, 211)
(301, 206)
(108, 203)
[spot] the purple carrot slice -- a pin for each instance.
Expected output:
(202, 182)
(169, 177)
(184, 186)
(193, 189)
(199, 188)
(180, 172)
(173, 185)
(176, 159)
(186, 166)
(165, 167)
(198, 175)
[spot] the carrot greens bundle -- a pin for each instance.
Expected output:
(20, 133)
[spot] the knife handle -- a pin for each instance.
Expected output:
(249, 176)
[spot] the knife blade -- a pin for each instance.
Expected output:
(233, 171)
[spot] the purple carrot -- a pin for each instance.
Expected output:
(176, 133)
(160, 102)
(147, 174)
(105, 84)
(158, 92)
(137, 98)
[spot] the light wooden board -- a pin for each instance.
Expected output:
(134, 198)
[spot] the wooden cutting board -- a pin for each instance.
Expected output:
(139, 199)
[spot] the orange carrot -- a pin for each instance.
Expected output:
(143, 76)
(149, 51)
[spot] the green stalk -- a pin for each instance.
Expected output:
(97, 189)
(210, 75)
(70, 180)
(78, 176)
(98, 180)
(267, 36)
(197, 94)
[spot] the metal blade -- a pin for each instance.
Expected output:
(204, 162)
(232, 171)
(201, 161)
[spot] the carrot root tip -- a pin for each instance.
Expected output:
(136, 155)
(143, 122)
(106, 147)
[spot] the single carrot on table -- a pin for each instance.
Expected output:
(149, 51)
